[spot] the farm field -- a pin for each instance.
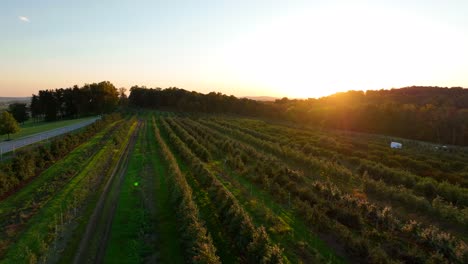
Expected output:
(45, 216)
(235, 132)
(163, 187)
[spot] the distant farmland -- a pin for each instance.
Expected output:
(5, 101)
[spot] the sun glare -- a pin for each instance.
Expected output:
(319, 52)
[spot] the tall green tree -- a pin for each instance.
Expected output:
(91, 99)
(50, 103)
(19, 112)
(37, 109)
(123, 100)
(8, 124)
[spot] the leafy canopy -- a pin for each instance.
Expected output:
(8, 124)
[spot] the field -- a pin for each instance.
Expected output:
(162, 187)
(31, 127)
(6, 101)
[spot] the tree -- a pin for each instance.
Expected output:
(37, 110)
(70, 99)
(123, 97)
(104, 97)
(48, 99)
(91, 99)
(19, 112)
(8, 124)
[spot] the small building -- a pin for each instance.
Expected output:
(396, 145)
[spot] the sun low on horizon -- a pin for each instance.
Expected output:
(297, 49)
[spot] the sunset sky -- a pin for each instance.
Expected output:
(243, 47)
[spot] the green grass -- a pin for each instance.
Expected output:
(30, 127)
(126, 244)
(108, 192)
(34, 237)
(32, 197)
(38, 236)
(73, 160)
(144, 179)
(169, 244)
(81, 223)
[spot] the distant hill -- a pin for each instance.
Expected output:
(261, 98)
(435, 114)
(15, 99)
(5, 101)
(417, 95)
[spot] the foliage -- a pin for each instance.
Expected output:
(29, 162)
(19, 112)
(8, 124)
(91, 99)
(46, 225)
(423, 113)
(198, 243)
(250, 239)
(364, 201)
(361, 224)
(182, 100)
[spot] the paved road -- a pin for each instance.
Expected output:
(8, 146)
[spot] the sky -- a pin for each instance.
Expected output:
(297, 49)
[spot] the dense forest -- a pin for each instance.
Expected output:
(423, 113)
(182, 100)
(91, 99)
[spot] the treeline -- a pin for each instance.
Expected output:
(181, 100)
(423, 113)
(91, 99)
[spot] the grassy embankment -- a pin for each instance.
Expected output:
(32, 197)
(51, 222)
(30, 127)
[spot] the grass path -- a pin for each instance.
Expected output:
(169, 245)
(129, 240)
(94, 240)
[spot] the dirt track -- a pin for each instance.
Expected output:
(94, 241)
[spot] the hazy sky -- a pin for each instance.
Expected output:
(241, 47)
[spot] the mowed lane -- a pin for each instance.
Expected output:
(8, 146)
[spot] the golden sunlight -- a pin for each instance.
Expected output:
(319, 52)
